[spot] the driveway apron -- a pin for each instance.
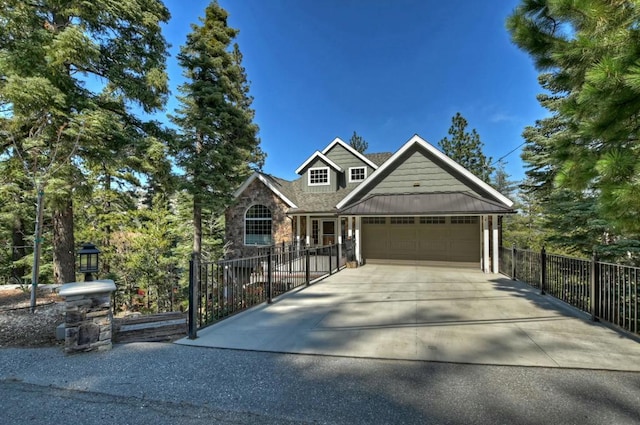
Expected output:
(428, 314)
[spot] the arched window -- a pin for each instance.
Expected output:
(257, 226)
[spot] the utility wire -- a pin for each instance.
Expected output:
(509, 153)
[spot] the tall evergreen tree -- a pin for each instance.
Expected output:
(217, 142)
(571, 219)
(589, 51)
(49, 51)
(501, 180)
(466, 148)
(358, 143)
(527, 228)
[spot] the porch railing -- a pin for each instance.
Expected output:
(220, 289)
(608, 292)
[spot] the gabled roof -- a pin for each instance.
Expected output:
(434, 203)
(378, 158)
(351, 150)
(418, 141)
(315, 202)
(277, 186)
(322, 157)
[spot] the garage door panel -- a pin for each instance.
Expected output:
(423, 242)
(375, 239)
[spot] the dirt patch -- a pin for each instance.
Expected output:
(19, 327)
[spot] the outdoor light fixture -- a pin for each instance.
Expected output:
(88, 256)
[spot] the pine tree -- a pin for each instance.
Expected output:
(501, 180)
(571, 222)
(49, 51)
(466, 148)
(589, 53)
(526, 229)
(217, 142)
(358, 143)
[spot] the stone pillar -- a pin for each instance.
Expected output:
(87, 315)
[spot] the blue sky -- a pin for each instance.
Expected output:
(387, 69)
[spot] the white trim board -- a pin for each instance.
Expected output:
(339, 141)
(322, 157)
(263, 179)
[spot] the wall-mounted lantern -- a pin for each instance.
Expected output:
(88, 257)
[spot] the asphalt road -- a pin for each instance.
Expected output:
(165, 383)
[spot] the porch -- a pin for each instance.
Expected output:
(453, 240)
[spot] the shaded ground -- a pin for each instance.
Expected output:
(21, 328)
(156, 383)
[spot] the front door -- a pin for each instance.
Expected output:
(328, 232)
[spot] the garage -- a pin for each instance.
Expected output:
(429, 239)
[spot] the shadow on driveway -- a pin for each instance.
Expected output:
(428, 314)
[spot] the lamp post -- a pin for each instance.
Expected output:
(88, 256)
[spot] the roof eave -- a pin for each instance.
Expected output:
(323, 157)
(423, 143)
(339, 141)
(266, 182)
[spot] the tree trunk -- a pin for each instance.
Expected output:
(63, 244)
(18, 249)
(106, 242)
(197, 225)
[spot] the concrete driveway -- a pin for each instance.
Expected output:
(428, 314)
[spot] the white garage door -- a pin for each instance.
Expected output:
(438, 239)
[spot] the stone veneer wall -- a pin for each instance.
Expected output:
(256, 193)
(88, 318)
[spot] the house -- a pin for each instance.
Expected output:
(416, 205)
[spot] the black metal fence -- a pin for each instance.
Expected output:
(220, 289)
(607, 291)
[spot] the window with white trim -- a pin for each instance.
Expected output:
(357, 174)
(318, 176)
(257, 226)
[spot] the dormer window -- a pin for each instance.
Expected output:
(319, 176)
(357, 174)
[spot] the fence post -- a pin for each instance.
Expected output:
(290, 259)
(543, 270)
(307, 266)
(193, 297)
(513, 262)
(594, 298)
(269, 277)
(330, 257)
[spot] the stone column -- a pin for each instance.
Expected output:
(87, 315)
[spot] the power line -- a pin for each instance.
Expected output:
(509, 153)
